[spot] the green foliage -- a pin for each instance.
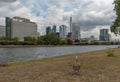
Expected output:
(102, 43)
(69, 41)
(63, 42)
(116, 23)
(3, 39)
(51, 39)
(15, 39)
(29, 39)
(83, 43)
(40, 40)
(110, 53)
(27, 43)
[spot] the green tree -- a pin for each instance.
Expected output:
(51, 39)
(69, 41)
(3, 39)
(116, 23)
(29, 39)
(63, 42)
(15, 39)
(40, 40)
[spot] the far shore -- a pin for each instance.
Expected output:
(96, 66)
(27, 46)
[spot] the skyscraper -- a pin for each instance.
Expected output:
(70, 24)
(63, 31)
(8, 27)
(48, 30)
(104, 35)
(75, 31)
(54, 29)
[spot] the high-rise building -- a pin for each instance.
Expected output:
(48, 30)
(2, 31)
(70, 24)
(75, 31)
(63, 31)
(54, 29)
(8, 28)
(104, 35)
(20, 28)
(57, 34)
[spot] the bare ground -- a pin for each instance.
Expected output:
(95, 67)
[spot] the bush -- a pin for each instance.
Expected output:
(27, 43)
(69, 41)
(110, 53)
(63, 42)
(83, 43)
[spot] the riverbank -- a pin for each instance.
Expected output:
(27, 46)
(95, 67)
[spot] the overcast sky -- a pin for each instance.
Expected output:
(91, 14)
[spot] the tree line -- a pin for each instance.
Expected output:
(49, 39)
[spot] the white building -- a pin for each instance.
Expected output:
(2, 31)
(63, 31)
(20, 28)
(75, 31)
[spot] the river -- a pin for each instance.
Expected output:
(23, 54)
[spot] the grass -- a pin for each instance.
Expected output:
(110, 53)
(95, 67)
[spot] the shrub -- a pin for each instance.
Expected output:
(83, 43)
(63, 42)
(69, 41)
(110, 53)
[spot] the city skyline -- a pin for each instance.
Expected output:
(90, 14)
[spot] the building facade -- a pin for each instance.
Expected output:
(63, 31)
(20, 28)
(70, 24)
(104, 35)
(75, 32)
(48, 30)
(54, 29)
(2, 31)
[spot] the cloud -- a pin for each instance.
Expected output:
(89, 13)
(92, 14)
(8, 0)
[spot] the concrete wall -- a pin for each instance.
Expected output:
(2, 31)
(23, 29)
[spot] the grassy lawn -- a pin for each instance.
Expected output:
(95, 67)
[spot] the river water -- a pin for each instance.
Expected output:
(23, 54)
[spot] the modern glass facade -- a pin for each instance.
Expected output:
(8, 28)
(48, 30)
(54, 29)
(104, 35)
